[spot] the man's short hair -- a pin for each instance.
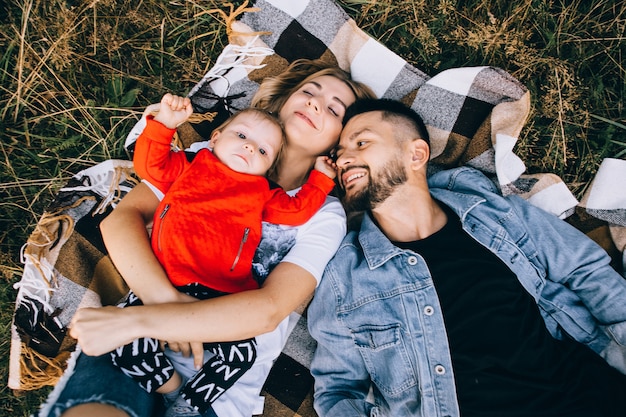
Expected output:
(389, 108)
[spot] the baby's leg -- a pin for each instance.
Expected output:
(173, 385)
(220, 372)
(145, 362)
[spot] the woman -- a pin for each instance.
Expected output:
(310, 99)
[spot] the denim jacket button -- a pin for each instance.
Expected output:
(440, 370)
(429, 310)
(412, 260)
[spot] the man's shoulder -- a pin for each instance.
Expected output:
(350, 242)
(463, 179)
(347, 250)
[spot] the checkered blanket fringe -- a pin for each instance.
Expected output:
(474, 116)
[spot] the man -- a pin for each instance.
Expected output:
(452, 300)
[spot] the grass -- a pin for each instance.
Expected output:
(75, 75)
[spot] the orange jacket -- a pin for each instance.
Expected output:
(208, 226)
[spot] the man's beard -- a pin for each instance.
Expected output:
(378, 189)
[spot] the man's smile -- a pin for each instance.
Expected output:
(348, 178)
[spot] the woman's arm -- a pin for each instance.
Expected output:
(126, 238)
(231, 317)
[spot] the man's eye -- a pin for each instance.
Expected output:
(307, 92)
(333, 112)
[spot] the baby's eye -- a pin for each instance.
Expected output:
(262, 151)
(241, 135)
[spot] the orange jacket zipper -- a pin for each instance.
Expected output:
(243, 242)
(161, 216)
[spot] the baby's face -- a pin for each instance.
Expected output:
(248, 144)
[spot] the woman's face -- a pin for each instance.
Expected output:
(312, 115)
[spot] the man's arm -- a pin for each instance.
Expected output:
(342, 382)
(574, 260)
(582, 293)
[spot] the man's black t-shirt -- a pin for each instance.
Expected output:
(506, 364)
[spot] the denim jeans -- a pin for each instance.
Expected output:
(96, 380)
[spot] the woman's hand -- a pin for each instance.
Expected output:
(124, 233)
(101, 330)
(195, 349)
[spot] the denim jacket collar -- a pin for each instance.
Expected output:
(378, 249)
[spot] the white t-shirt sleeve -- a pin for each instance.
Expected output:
(319, 238)
(158, 193)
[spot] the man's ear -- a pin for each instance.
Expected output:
(420, 152)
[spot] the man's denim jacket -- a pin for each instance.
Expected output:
(378, 322)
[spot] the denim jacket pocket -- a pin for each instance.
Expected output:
(385, 355)
(614, 350)
(617, 332)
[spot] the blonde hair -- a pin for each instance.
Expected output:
(274, 91)
(261, 112)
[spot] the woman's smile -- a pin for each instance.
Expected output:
(306, 118)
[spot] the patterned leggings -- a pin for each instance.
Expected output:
(145, 362)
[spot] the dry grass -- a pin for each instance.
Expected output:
(75, 74)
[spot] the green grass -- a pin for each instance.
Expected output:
(75, 75)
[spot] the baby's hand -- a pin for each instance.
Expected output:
(325, 165)
(173, 110)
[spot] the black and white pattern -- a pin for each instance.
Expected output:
(144, 361)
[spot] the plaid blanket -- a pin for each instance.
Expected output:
(474, 116)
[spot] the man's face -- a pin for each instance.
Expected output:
(370, 162)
